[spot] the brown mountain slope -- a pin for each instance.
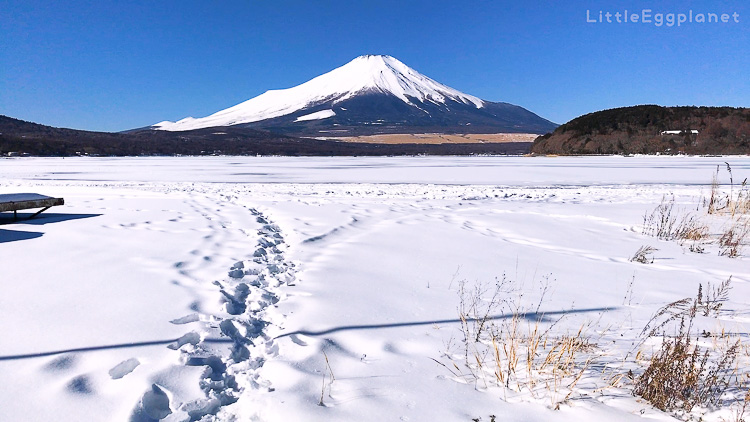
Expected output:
(641, 130)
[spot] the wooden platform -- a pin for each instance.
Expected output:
(24, 201)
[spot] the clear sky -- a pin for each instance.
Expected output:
(116, 65)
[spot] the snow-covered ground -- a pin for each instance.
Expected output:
(328, 289)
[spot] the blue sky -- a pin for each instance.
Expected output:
(102, 65)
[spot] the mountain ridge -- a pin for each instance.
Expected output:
(371, 94)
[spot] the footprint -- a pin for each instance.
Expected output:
(229, 329)
(123, 368)
(200, 408)
(272, 349)
(80, 385)
(237, 273)
(260, 252)
(236, 303)
(263, 242)
(275, 269)
(297, 340)
(247, 292)
(214, 364)
(189, 338)
(61, 363)
(186, 319)
(154, 406)
(240, 353)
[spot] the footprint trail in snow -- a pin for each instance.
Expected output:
(231, 345)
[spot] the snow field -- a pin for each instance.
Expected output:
(236, 301)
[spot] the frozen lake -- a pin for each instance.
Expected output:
(330, 289)
(511, 171)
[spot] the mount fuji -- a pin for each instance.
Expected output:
(372, 94)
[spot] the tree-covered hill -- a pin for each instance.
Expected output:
(641, 130)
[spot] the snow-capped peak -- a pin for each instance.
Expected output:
(370, 73)
(389, 75)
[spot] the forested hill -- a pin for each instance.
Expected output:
(650, 129)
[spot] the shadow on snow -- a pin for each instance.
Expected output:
(23, 218)
(530, 316)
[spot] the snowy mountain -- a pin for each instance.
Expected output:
(370, 94)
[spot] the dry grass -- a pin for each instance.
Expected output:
(741, 409)
(667, 222)
(674, 311)
(712, 204)
(735, 203)
(714, 297)
(707, 302)
(682, 375)
(732, 240)
(643, 253)
(513, 351)
(522, 353)
(538, 362)
(328, 379)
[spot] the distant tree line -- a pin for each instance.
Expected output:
(18, 137)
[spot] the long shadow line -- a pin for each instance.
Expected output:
(106, 347)
(531, 316)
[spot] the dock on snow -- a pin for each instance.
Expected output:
(24, 201)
